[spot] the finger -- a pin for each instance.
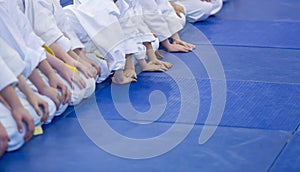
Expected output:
(70, 81)
(19, 125)
(182, 11)
(37, 109)
(84, 72)
(97, 67)
(82, 82)
(69, 95)
(64, 92)
(60, 97)
(3, 147)
(46, 111)
(30, 128)
(76, 81)
(56, 102)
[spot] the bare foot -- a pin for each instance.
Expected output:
(162, 63)
(130, 73)
(150, 67)
(153, 59)
(158, 55)
(120, 78)
(154, 68)
(185, 44)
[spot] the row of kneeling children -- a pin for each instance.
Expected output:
(52, 57)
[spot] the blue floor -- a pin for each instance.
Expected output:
(258, 44)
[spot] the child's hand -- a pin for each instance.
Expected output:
(89, 61)
(4, 139)
(37, 103)
(71, 76)
(21, 115)
(95, 65)
(57, 83)
(52, 93)
(87, 70)
(178, 9)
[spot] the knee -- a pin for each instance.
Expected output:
(90, 87)
(77, 95)
(16, 138)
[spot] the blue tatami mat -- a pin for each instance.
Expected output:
(65, 146)
(271, 10)
(248, 104)
(289, 160)
(251, 33)
(66, 2)
(243, 63)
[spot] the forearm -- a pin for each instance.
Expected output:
(81, 54)
(37, 80)
(56, 63)
(61, 54)
(10, 96)
(76, 57)
(46, 69)
(23, 86)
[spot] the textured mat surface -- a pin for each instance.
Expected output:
(272, 10)
(248, 104)
(255, 52)
(289, 160)
(65, 147)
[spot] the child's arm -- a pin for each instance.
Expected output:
(19, 113)
(54, 81)
(93, 63)
(35, 101)
(65, 57)
(86, 68)
(4, 139)
(177, 8)
(65, 72)
(44, 89)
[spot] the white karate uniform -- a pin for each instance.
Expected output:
(197, 10)
(159, 17)
(49, 22)
(133, 37)
(97, 26)
(16, 65)
(26, 43)
(8, 78)
(175, 23)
